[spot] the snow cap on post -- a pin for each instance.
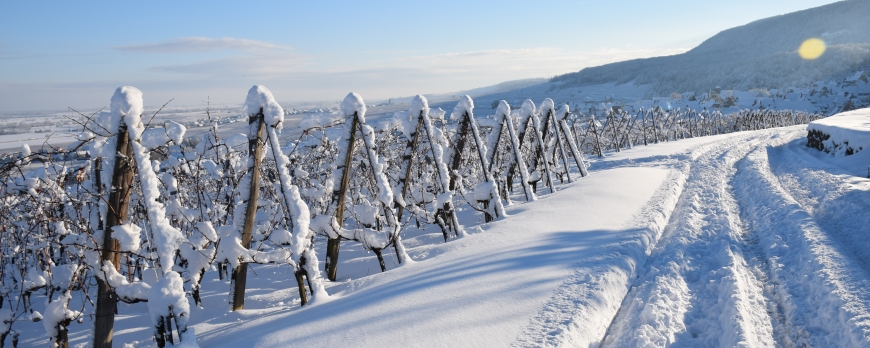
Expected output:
(528, 108)
(503, 109)
(564, 111)
(354, 103)
(418, 105)
(547, 105)
(126, 104)
(260, 97)
(466, 104)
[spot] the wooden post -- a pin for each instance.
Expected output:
(300, 282)
(457, 151)
(408, 162)
(575, 151)
(540, 155)
(255, 150)
(484, 167)
(562, 152)
(494, 150)
(643, 125)
(595, 132)
(119, 202)
(447, 209)
(333, 244)
(518, 156)
(62, 339)
(389, 214)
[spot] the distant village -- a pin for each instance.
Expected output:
(826, 99)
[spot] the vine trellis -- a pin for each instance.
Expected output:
(152, 203)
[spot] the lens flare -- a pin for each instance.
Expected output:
(812, 49)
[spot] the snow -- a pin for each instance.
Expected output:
(35, 279)
(175, 131)
(437, 143)
(259, 97)
(236, 140)
(128, 236)
(465, 106)
(474, 289)
(167, 298)
(851, 128)
(153, 138)
(56, 312)
(749, 239)
(518, 154)
(576, 154)
(62, 275)
(353, 103)
(127, 101)
(126, 291)
(299, 219)
(320, 120)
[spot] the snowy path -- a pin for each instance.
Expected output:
(819, 284)
(697, 289)
(745, 263)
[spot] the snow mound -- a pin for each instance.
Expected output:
(260, 97)
(842, 134)
(353, 103)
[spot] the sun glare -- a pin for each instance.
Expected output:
(812, 49)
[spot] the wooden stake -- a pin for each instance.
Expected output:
(119, 202)
(255, 150)
(333, 244)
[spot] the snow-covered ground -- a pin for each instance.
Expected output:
(747, 239)
(845, 135)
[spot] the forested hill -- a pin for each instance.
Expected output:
(761, 54)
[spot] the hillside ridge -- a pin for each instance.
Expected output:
(760, 54)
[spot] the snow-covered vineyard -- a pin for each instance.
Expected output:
(528, 227)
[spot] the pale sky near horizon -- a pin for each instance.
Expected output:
(55, 54)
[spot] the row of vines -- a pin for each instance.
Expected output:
(149, 212)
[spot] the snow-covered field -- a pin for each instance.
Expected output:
(748, 239)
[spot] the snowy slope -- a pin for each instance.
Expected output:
(485, 289)
(761, 54)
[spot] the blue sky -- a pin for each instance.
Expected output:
(69, 53)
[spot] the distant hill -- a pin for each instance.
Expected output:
(476, 92)
(761, 54)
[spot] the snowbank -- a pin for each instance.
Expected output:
(842, 134)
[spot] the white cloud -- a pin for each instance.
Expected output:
(297, 77)
(249, 65)
(202, 44)
(511, 64)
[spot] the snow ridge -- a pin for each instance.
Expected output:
(579, 313)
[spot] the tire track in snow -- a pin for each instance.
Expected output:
(579, 312)
(836, 200)
(697, 288)
(818, 286)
